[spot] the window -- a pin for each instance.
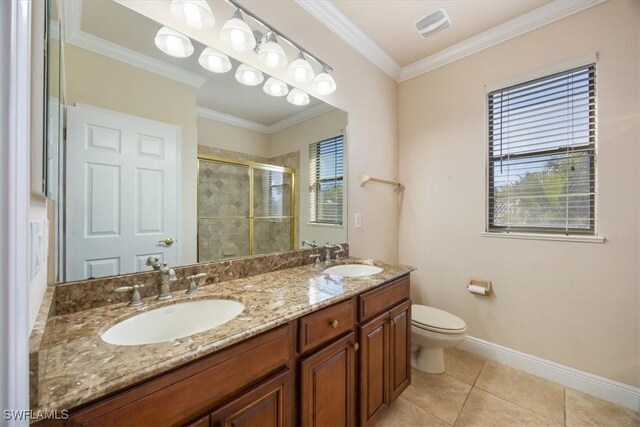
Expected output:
(542, 157)
(276, 190)
(326, 169)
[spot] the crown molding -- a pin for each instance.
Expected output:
(229, 119)
(301, 116)
(74, 35)
(325, 12)
(210, 114)
(544, 15)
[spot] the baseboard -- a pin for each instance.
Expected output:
(606, 389)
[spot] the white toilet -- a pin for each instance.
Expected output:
(433, 330)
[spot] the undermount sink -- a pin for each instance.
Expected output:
(353, 270)
(173, 321)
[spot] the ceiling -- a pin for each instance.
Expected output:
(390, 23)
(220, 92)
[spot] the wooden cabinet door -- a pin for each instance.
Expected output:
(374, 369)
(267, 405)
(399, 349)
(328, 385)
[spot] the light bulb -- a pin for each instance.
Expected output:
(324, 84)
(249, 78)
(270, 53)
(237, 37)
(272, 59)
(248, 75)
(300, 70)
(214, 61)
(196, 13)
(298, 97)
(275, 87)
(173, 43)
(174, 47)
(191, 12)
(237, 34)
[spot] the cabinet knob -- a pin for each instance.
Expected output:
(356, 347)
(392, 322)
(334, 324)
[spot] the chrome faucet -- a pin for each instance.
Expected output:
(168, 277)
(193, 283)
(153, 263)
(311, 244)
(327, 252)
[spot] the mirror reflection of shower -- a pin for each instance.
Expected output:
(244, 208)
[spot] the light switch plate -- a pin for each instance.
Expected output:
(358, 220)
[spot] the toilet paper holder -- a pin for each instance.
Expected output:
(479, 286)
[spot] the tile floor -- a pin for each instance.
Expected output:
(477, 392)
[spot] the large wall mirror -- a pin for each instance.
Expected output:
(150, 155)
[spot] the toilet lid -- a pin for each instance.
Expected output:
(431, 318)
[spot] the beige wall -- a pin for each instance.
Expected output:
(228, 137)
(297, 138)
(574, 303)
(367, 94)
(99, 81)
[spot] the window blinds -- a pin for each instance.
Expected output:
(542, 139)
(326, 169)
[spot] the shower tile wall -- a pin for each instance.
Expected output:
(223, 191)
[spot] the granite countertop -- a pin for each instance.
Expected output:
(75, 366)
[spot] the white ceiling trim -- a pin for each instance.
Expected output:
(294, 119)
(74, 35)
(301, 116)
(325, 12)
(544, 15)
(208, 113)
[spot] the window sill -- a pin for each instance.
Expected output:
(315, 224)
(549, 237)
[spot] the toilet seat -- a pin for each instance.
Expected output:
(435, 320)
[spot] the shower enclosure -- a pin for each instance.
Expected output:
(244, 208)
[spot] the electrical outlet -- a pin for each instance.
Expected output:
(358, 220)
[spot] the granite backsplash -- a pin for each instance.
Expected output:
(72, 297)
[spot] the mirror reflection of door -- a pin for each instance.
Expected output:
(138, 122)
(121, 193)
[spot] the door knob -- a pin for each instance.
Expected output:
(168, 241)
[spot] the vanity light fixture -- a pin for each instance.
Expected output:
(214, 61)
(173, 43)
(249, 76)
(275, 87)
(195, 13)
(237, 34)
(323, 83)
(270, 53)
(298, 97)
(300, 70)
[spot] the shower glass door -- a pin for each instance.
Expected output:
(244, 208)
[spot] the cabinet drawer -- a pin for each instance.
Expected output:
(187, 392)
(383, 298)
(324, 325)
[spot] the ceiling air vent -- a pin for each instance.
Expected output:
(433, 22)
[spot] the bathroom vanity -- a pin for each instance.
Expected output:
(310, 349)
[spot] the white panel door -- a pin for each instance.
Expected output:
(121, 189)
